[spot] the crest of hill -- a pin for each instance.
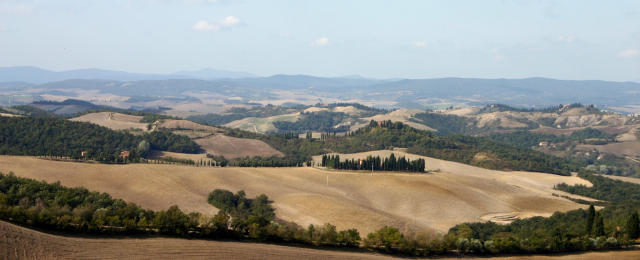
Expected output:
(112, 120)
(479, 120)
(67, 107)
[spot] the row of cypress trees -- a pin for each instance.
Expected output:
(375, 163)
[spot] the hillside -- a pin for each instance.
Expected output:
(211, 140)
(188, 96)
(115, 121)
(457, 193)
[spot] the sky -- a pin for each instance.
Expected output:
(379, 39)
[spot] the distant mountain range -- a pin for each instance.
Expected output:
(37, 75)
(403, 93)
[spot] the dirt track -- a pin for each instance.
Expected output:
(459, 193)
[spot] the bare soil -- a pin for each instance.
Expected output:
(232, 147)
(630, 148)
(116, 121)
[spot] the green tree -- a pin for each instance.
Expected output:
(591, 214)
(633, 228)
(599, 226)
(387, 239)
(143, 148)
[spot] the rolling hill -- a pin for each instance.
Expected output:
(457, 193)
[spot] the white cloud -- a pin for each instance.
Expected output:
(564, 39)
(205, 26)
(227, 22)
(419, 44)
(322, 41)
(630, 53)
(230, 21)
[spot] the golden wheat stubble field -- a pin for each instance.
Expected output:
(363, 200)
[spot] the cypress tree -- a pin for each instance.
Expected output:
(591, 214)
(599, 226)
(633, 228)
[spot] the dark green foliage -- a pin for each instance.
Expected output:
(571, 231)
(219, 159)
(447, 124)
(167, 141)
(238, 113)
(258, 161)
(248, 215)
(321, 121)
(455, 148)
(604, 189)
(386, 239)
(54, 136)
(526, 139)
(33, 111)
(374, 163)
(598, 226)
(150, 117)
(59, 137)
(633, 226)
(603, 163)
(591, 216)
(386, 134)
(561, 232)
(52, 205)
(589, 133)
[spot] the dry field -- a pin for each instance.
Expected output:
(349, 110)
(115, 121)
(194, 157)
(187, 125)
(232, 147)
(9, 115)
(362, 200)
(262, 124)
(400, 115)
(22, 243)
(207, 137)
(630, 148)
(622, 178)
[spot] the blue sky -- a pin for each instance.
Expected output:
(380, 39)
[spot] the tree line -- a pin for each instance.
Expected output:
(385, 134)
(53, 206)
(390, 163)
(78, 140)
